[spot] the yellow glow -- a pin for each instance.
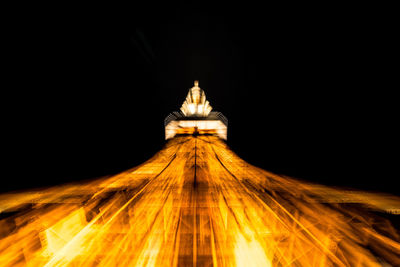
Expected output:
(204, 126)
(62, 232)
(195, 103)
(250, 253)
(196, 203)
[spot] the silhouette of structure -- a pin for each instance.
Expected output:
(196, 203)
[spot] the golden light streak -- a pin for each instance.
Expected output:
(196, 203)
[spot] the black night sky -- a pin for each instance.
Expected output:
(307, 90)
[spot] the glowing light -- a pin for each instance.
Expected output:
(196, 114)
(196, 203)
(229, 214)
(195, 103)
(250, 253)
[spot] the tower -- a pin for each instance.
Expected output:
(195, 116)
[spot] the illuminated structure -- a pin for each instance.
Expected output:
(196, 116)
(196, 203)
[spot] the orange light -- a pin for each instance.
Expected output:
(196, 203)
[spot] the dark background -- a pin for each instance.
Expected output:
(309, 91)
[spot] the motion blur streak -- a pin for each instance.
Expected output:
(196, 203)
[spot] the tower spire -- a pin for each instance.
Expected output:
(196, 103)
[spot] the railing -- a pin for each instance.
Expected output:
(220, 116)
(172, 116)
(213, 115)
